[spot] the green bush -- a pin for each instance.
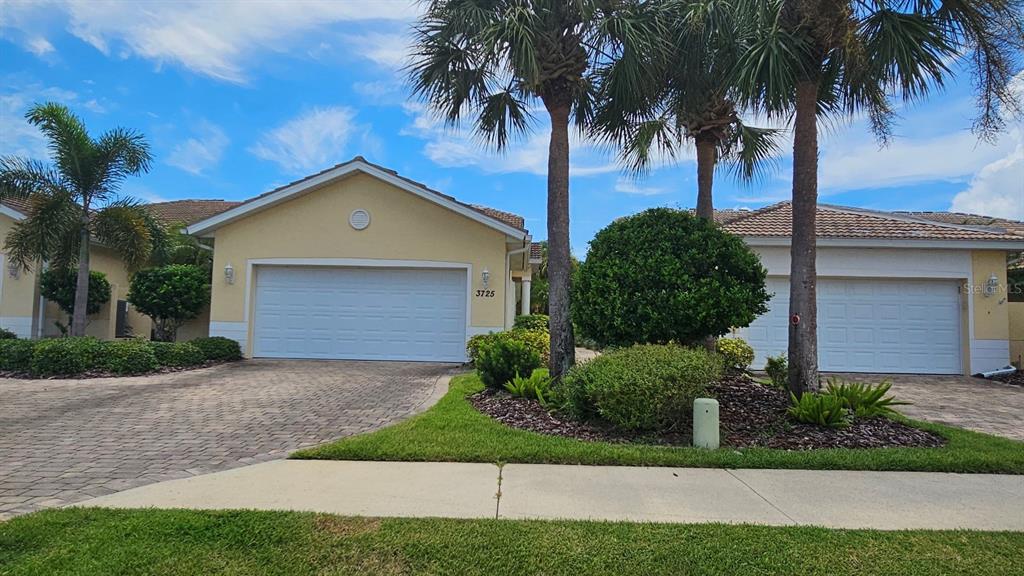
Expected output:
(641, 388)
(535, 387)
(821, 409)
(500, 360)
(664, 276)
(58, 286)
(864, 400)
(170, 295)
(177, 354)
(218, 348)
(777, 368)
(532, 322)
(128, 357)
(16, 355)
(736, 353)
(6, 334)
(537, 340)
(66, 356)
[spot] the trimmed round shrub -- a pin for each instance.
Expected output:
(663, 276)
(177, 354)
(646, 388)
(16, 355)
(58, 285)
(532, 322)
(736, 353)
(500, 360)
(6, 334)
(218, 348)
(129, 357)
(537, 340)
(170, 295)
(66, 356)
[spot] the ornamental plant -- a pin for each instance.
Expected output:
(664, 276)
(170, 295)
(58, 285)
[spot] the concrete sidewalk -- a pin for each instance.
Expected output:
(837, 499)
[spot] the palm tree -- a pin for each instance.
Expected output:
(75, 199)
(807, 59)
(687, 97)
(495, 59)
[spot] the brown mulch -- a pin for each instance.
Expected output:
(1015, 378)
(751, 415)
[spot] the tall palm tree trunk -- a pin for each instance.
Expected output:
(563, 351)
(803, 311)
(707, 156)
(78, 317)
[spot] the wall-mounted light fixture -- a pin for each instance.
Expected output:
(13, 270)
(229, 273)
(485, 277)
(991, 285)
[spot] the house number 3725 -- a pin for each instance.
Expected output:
(485, 293)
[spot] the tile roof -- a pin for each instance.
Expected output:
(842, 222)
(536, 251)
(501, 216)
(189, 211)
(19, 204)
(965, 219)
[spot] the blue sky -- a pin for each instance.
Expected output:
(237, 98)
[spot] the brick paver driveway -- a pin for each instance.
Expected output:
(63, 441)
(972, 403)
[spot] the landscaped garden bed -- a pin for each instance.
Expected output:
(751, 415)
(88, 357)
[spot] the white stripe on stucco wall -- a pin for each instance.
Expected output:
(20, 325)
(989, 354)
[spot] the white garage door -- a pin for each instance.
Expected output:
(360, 313)
(884, 326)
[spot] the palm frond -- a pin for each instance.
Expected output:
(123, 227)
(503, 115)
(751, 151)
(21, 178)
(119, 153)
(49, 232)
(68, 141)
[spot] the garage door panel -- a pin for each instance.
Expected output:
(360, 313)
(871, 325)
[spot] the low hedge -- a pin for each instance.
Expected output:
(129, 357)
(177, 354)
(218, 348)
(645, 388)
(531, 322)
(71, 357)
(66, 356)
(537, 340)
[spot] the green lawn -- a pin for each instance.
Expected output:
(169, 542)
(453, 430)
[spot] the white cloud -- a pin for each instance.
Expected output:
(389, 50)
(315, 140)
(998, 188)
(17, 136)
(202, 152)
(40, 46)
(629, 186)
(458, 148)
(216, 39)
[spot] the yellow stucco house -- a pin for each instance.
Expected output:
(24, 312)
(357, 262)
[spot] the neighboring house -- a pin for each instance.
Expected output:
(27, 314)
(921, 292)
(357, 262)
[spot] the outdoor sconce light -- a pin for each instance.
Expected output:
(485, 277)
(13, 270)
(991, 285)
(229, 273)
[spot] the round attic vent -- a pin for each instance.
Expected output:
(359, 219)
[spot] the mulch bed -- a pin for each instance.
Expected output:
(1015, 378)
(90, 374)
(751, 415)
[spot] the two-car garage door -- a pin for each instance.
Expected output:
(414, 314)
(872, 325)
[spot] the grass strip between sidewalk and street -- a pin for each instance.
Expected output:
(454, 431)
(89, 541)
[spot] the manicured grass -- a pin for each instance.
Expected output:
(454, 431)
(170, 542)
